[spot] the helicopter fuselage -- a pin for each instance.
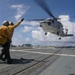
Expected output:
(54, 27)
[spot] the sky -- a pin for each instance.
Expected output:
(30, 31)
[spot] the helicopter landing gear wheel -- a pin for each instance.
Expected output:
(59, 38)
(45, 33)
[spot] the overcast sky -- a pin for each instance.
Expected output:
(29, 31)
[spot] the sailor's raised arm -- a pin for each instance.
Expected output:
(17, 24)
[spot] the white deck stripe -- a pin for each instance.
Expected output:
(72, 55)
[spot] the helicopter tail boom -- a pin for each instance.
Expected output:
(67, 35)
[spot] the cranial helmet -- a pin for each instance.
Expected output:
(6, 23)
(11, 23)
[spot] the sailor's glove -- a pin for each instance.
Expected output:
(22, 19)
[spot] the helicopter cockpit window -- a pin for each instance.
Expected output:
(58, 26)
(49, 20)
(52, 21)
(44, 22)
(49, 23)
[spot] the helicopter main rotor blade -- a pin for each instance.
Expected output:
(35, 19)
(44, 6)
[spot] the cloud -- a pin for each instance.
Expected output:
(30, 25)
(16, 41)
(27, 29)
(64, 17)
(65, 20)
(38, 35)
(28, 40)
(21, 10)
(20, 36)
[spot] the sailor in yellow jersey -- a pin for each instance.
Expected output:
(12, 26)
(5, 42)
(5, 51)
(4, 32)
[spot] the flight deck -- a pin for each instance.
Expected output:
(40, 61)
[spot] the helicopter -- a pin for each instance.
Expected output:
(52, 25)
